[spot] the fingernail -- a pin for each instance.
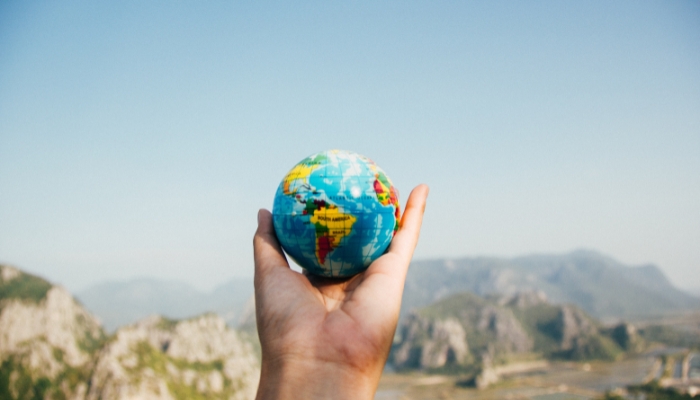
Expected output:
(259, 213)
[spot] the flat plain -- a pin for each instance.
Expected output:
(555, 381)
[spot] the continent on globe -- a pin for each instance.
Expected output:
(331, 227)
(335, 212)
(299, 174)
(386, 193)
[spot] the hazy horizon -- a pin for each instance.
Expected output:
(141, 139)
(695, 291)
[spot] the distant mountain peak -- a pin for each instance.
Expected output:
(124, 302)
(594, 281)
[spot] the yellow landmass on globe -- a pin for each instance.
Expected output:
(331, 227)
(300, 172)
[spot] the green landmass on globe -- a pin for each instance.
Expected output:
(335, 212)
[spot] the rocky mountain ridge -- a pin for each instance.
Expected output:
(465, 332)
(598, 284)
(52, 348)
(158, 358)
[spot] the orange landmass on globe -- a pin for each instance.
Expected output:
(331, 227)
(387, 194)
(300, 172)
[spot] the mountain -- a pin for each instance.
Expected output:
(598, 284)
(469, 333)
(51, 347)
(121, 303)
(47, 340)
(158, 358)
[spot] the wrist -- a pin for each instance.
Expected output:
(315, 379)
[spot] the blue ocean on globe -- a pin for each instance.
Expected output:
(335, 212)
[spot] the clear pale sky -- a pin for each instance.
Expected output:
(140, 138)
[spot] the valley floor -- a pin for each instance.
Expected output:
(556, 381)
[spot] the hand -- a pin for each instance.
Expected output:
(329, 338)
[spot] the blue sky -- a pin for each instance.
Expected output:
(140, 140)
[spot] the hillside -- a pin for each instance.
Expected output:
(466, 333)
(47, 340)
(463, 328)
(598, 284)
(51, 347)
(158, 358)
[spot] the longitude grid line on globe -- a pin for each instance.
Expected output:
(297, 235)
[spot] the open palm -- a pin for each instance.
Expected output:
(323, 325)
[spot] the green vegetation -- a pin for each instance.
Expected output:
(198, 366)
(184, 392)
(150, 357)
(653, 391)
(544, 324)
(25, 380)
(595, 347)
(24, 287)
(23, 387)
(166, 324)
(465, 307)
(525, 329)
(58, 354)
(17, 382)
(670, 336)
(540, 322)
(454, 305)
(91, 344)
(612, 396)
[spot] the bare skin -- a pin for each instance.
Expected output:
(329, 338)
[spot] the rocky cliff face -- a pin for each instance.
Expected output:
(464, 330)
(431, 343)
(573, 326)
(456, 331)
(51, 348)
(161, 359)
(47, 340)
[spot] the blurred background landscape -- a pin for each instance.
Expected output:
(559, 254)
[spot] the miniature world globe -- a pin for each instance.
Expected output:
(335, 212)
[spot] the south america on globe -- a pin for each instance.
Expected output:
(335, 212)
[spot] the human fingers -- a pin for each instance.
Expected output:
(384, 279)
(406, 238)
(266, 248)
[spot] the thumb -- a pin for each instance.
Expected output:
(266, 248)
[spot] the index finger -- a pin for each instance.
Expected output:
(406, 238)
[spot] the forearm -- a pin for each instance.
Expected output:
(314, 379)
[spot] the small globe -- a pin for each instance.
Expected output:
(335, 212)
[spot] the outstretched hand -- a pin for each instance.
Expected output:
(329, 337)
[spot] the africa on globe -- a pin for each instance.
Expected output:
(335, 212)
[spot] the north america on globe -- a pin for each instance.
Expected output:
(335, 212)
